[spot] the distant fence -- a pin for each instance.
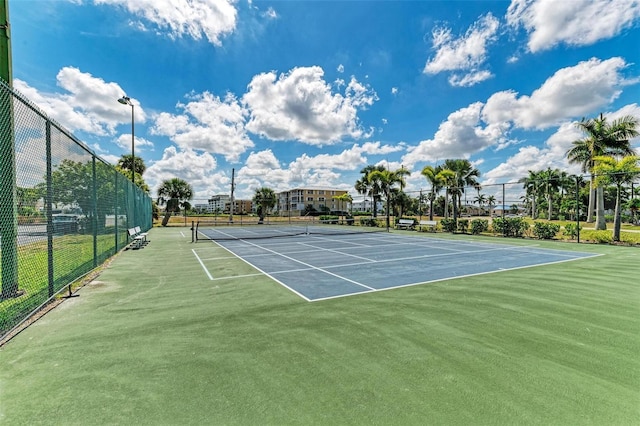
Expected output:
(63, 210)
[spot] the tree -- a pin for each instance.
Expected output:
(365, 187)
(72, 184)
(602, 139)
(346, 197)
(175, 193)
(551, 182)
(617, 172)
(481, 199)
(27, 199)
(465, 175)
(125, 163)
(531, 185)
(449, 182)
(634, 206)
(265, 200)
(436, 179)
(384, 180)
(491, 201)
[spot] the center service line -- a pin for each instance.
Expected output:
(202, 264)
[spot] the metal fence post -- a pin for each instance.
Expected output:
(8, 204)
(94, 213)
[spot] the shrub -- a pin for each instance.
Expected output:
(333, 220)
(510, 227)
(463, 225)
(598, 236)
(448, 225)
(571, 230)
(479, 226)
(545, 230)
(368, 221)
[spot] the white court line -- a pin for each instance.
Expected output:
(458, 276)
(183, 236)
(312, 267)
(264, 273)
(202, 264)
(218, 258)
(316, 248)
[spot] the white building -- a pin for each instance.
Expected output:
(218, 203)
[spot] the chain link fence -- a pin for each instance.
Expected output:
(63, 210)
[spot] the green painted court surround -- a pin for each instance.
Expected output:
(154, 340)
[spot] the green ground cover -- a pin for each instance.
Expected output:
(154, 341)
(73, 257)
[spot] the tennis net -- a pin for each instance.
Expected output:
(217, 230)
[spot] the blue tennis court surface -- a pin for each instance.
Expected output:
(318, 267)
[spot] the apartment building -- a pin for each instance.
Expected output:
(294, 201)
(221, 204)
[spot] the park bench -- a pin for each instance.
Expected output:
(405, 223)
(142, 234)
(138, 240)
(429, 224)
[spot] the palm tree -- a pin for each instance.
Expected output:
(175, 193)
(531, 185)
(491, 201)
(465, 175)
(384, 180)
(617, 172)
(481, 199)
(435, 178)
(365, 187)
(449, 182)
(265, 199)
(601, 139)
(634, 205)
(342, 198)
(138, 165)
(551, 182)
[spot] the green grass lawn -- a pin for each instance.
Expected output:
(154, 341)
(73, 257)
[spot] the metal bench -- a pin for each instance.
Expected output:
(405, 224)
(429, 224)
(137, 240)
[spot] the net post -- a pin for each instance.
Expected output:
(193, 232)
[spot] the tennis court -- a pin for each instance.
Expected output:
(325, 265)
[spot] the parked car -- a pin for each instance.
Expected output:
(66, 223)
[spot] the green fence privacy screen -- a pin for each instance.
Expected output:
(63, 210)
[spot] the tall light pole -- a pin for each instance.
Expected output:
(125, 100)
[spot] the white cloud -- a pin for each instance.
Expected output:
(460, 136)
(212, 19)
(207, 123)
(570, 92)
(340, 68)
(470, 79)
(575, 22)
(89, 103)
(552, 154)
(300, 106)
(199, 170)
(323, 170)
(270, 13)
(394, 90)
(124, 142)
(467, 53)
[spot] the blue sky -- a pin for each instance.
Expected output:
(307, 93)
